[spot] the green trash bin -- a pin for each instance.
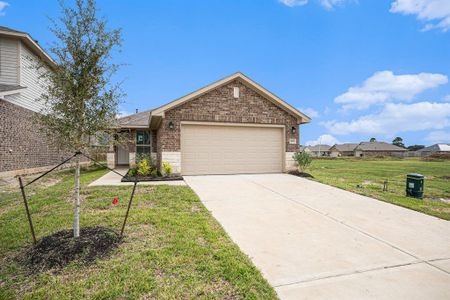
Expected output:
(414, 185)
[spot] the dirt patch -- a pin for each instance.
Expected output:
(147, 204)
(445, 177)
(61, 248)
(300, 174)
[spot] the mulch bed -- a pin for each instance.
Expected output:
(61, 248)
(173, 177)
(300, 174)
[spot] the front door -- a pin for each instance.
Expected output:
(123, 155)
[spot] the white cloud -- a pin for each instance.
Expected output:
(122, 114)
(3, 6)
(435, 12)
(447, 98)
(395, 118)
(310, 112)
(385, 86)
(438, 137)
(327, 4)
(326, 139)
(292, 3)
(330, 4)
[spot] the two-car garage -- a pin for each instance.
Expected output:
(214, 148)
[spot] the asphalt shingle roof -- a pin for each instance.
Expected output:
(378, 146)
(135, 120)
(345, 147)
(10, 87)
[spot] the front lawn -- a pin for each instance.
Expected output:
(366, 176)
(173, 247)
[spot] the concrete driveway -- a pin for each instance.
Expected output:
(313, 241)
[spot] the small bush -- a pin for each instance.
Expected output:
(154, 173)
(144, 168)
(166, 168)
(303, 160)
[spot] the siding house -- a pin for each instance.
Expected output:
(231, 126)
(23, 146)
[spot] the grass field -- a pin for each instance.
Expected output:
(173, 247)
(366, 177)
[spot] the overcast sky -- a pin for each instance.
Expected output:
(360, 69)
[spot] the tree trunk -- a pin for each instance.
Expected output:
(76, 224)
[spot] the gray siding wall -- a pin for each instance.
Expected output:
(30, 78)
(9, 61)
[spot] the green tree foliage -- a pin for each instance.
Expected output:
(303, 160)
(398, 141)
(415, 147)
(80, 99)
(373, 139)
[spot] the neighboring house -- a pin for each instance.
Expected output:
(231, 126)
(378, 149)
(435, 149)
(347, 149)
(23, 145)
(318, 150)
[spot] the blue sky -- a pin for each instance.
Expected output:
(360, 69)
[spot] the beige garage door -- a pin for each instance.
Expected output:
(212, 149)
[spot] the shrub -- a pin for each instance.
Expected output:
(166, 168)
(144, 168)
(303, 160)
(154, 173)
(132, 172)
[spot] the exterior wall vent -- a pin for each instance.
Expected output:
(236, 92)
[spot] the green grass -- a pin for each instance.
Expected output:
(173, 247)
(366, 177)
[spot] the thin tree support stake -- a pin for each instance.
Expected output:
(27, 210)
(128, 209)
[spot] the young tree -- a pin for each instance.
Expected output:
(80, 98)
(398, 141)
(303, 160)
(373, 139)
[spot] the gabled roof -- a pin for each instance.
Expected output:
(301, 117)
(28, 40)
(317, 148)
(436, 148)
(378, 146)
(138, 120)
(344, 147)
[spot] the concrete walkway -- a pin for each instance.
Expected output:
(113, 179)
(313, 241)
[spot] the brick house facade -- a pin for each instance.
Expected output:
(217, 104)
(23, 144)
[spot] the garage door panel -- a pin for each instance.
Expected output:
(213, 149)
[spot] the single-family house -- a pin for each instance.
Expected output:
(338, 150)
(320, 150)
(23, 145)
(378, 149)
(231, 126)
(435, 149)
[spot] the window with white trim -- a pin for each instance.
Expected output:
(143, 142)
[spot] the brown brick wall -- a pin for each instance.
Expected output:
(29, 145)
(219, 105)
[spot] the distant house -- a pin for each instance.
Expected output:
(318, 150)
(347, 149)
(378, 149)
(435, 149)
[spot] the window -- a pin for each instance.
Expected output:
(143, 142)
